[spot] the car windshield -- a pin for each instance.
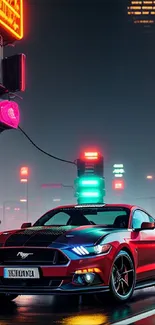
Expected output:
(111, 217)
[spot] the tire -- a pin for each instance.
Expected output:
(7, 297)
(122, 280)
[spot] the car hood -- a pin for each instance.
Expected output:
(47, 236)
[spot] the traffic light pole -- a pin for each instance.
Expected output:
(27, 201)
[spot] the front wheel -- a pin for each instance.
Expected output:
(7, 297)
(122, 281)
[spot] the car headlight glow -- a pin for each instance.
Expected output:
(102, 249)
(97, 250)
(80, 250)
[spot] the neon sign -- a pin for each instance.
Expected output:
(11, 18)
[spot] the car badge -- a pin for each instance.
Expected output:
(24, 255)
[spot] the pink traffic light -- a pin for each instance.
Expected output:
(9, 113)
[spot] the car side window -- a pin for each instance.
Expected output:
(60, 218)
(139, 217)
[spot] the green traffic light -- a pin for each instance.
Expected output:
(89, 189)
(90, 194)
(89, 181)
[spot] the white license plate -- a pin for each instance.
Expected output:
(21, 273)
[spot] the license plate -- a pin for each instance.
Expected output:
(21, 273)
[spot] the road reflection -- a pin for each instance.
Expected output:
(95, 319)
(66, 310)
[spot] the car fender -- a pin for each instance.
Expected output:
(129, 250)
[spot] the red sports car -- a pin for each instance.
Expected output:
(80, 249)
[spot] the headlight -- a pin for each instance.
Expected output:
(98, 249)
(80, 250)
(102, 249)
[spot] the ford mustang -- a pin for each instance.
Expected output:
(80, 250)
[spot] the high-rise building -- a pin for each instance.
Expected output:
(142, 12)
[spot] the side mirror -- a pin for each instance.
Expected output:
(147, 225)
(26, 225)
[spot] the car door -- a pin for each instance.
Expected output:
(144, 240)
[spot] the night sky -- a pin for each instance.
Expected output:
(90, 82)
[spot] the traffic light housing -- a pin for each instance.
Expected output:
(9, 115)
(90, 163)
(90, 184)
(13, 72)
(90, 189)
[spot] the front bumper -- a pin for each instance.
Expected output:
(63, 290)
(57, 280)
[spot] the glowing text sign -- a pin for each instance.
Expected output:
(11, 18)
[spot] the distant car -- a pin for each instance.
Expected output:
(80, 249)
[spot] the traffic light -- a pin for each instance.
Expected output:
(9, 115)
(90, 184)
(13, 72)
(90, 163)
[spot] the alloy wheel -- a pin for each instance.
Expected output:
(123, 277)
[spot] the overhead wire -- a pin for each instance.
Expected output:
(45, 152)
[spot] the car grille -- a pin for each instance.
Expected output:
(49, 256)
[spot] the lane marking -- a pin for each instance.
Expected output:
(133, 319)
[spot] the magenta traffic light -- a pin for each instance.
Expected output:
(9, 115)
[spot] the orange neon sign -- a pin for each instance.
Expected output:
(11, 17)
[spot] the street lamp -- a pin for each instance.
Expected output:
(24, 176)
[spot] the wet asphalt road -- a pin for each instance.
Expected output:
(43, 310)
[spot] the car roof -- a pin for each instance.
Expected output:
(126, 206)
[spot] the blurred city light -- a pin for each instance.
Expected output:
(23, 180)
(23, 200)
(118, 170)
(24, 171)
(142, 12)
(149, 177)
(118, 184)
